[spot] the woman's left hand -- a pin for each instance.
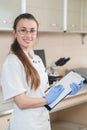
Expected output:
(75, 87)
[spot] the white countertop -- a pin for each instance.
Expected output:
(70, 101)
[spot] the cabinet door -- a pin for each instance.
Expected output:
(84, 15)
(9, 9)
(77, 15)
(74, 15)
(49, 13)
(4, 120)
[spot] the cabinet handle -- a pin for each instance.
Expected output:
(53, 24)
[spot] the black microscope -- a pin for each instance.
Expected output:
(52, 76)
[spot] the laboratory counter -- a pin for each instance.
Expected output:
(70, 101)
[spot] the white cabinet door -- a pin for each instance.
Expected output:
(4, 120)
(49, 13)
(74, 15)
(84, 15)
(77, 15)
(9, 9)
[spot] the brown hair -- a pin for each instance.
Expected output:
(31, 72)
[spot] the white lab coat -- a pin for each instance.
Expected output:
(13, 81)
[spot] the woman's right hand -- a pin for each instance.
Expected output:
(53, 93)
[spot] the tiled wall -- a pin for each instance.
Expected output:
(56, 45)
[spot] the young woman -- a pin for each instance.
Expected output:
(25, 80)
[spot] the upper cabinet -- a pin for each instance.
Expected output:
(49, 13)
(52, 15)
(73, 15)
(9, 9)
(77, 16)
(84, 16)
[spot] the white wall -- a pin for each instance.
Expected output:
(56, 45)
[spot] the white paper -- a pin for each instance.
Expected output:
(66, 81)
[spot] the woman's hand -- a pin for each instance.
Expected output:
(53, 93)
(75, 87)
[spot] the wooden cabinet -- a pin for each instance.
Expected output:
(73, 118)
(49, 13)
(4, 120)
(9, 9)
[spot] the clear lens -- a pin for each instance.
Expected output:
(25, 31)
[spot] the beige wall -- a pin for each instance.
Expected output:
(56, 45)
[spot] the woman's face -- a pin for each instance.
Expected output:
(26, 33)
